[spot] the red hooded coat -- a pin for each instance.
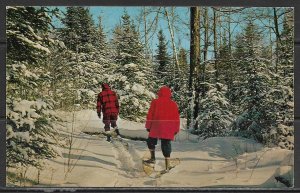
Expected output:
(163, 116)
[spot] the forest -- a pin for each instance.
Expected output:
(235, 77)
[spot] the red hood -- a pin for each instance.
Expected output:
(105, 86)
(164, 92)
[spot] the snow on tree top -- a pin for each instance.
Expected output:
(61, 44)
(123, 78)
(24, 107)
(40, 104)
(140, 74)
(32, 32)
(11, 7)
(30, 75)
(89, 92)
(23, 136)
(291, 104)
(33, 44)
(131, 65)
(9, 132)
(127, 87)
(138, 88)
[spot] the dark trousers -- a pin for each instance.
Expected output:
(110, 120)
(165, 145)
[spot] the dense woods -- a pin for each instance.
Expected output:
(234, 78)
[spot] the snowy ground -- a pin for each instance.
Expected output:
(215, 162)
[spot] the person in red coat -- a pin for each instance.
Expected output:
(107, 102)
(162, 123)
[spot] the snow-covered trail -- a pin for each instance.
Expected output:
(215, 162)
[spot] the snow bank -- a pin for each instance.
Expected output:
(231, 146)
(286, 170)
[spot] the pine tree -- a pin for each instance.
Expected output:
(226, 66)
(100, 39)
(87, 57)
(170, 76)
(79, 29)
(256, 116)
(282, 92)
(131, 75)
(30, 135)
(214, 117)
(183, 62)
(127, 42)
(163, 59)
(284, 54)
(134, 89)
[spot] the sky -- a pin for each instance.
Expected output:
(111, 16)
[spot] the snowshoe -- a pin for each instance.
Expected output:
(173, 163)
(148, 164)
(149, 161)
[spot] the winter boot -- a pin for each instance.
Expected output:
(116, 130)
(108, 138)
(108, 132)
(152, 159)
(168, 167)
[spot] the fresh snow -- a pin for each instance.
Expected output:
(33, 44)
(23, 135)
(214, 162)
(32, 32)
(27, 107)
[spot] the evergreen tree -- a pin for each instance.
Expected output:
(100, 39)
(256, 116)
(179, 85)
(214, 118)
(132, 74)
(183, 62)
(30, 135)
(79, 29)
(282, 92)
(285, 54)
(87, 57)
(134, 89)
(226, 66)
(127, 42)
(78, 77)
(163, 59)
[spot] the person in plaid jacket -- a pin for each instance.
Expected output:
(107, 102)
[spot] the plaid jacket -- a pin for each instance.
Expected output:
(107, 101)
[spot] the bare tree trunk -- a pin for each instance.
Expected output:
(229, 49)
(229, 32)
(270, 39)
(277, 38)
(206, 27)
(145, 28)
(194, 61)
(171, 30)
(205, 34)
(151, 27)
(216, 45)
(220, 29)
